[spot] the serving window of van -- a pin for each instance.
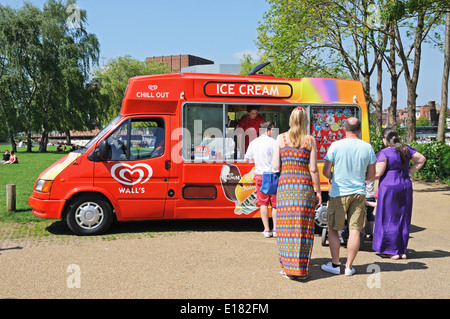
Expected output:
(211, 133)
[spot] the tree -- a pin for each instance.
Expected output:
(22, 44)
(421, 16)
(45, 66)
(294, 38)
(78, 109)
(422, 121)
(324, 38)
(66, 59)
(342, 34)
(112, 79)
(18, 39)
(444, 94)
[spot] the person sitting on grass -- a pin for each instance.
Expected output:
(12, 159)
(5, 157)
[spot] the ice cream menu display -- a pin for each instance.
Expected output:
(327, 126)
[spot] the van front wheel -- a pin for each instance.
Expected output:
(89, 215)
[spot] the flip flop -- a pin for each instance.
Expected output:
(290, 277)
(283, 274)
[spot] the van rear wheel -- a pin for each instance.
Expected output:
(89, 215)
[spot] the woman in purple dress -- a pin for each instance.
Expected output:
(394, 204)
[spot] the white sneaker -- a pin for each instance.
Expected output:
(349, 271)
(274, 233)
(332, 270)
(267, 233)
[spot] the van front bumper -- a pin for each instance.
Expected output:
(46, 208)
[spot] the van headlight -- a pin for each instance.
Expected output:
(43, 186)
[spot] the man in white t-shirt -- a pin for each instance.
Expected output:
(353, 162)
(260, 152)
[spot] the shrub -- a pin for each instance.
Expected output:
(437, 166)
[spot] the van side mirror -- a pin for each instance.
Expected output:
(104, 150)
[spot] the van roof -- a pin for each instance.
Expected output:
(165, 89)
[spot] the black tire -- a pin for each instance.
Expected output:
(89, 215)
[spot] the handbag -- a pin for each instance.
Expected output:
(269, 183)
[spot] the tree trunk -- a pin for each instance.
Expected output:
(379, 104)
(43, 143)
(444, 93)
(412, 82)
(29, 142)
(433, 115)
(13, 142)
(44, 139)
(392, 110)
(412, 78)
(8, 128)
(68, 138)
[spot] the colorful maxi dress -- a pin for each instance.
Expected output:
(295, 211)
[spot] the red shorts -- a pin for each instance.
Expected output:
(262, 198)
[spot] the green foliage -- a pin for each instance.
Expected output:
(375, 138)
(44, 68)
(437, 166)
(422, 121)
(112, 80)
(294, 37)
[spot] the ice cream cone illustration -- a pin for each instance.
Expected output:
(246, 194)
(229, 178)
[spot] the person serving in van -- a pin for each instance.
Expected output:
(252, 120)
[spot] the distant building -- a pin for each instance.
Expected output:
(430, 112)
(213, 68)
(177, 62)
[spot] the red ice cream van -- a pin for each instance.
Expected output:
(176, 152)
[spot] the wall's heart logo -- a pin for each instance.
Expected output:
(143, 171)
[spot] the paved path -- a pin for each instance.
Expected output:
(226, 259)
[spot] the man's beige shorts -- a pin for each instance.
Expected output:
(351, 205)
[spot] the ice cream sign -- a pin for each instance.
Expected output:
(129, 176)
(248, 89)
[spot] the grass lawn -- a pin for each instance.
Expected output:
(24, 175)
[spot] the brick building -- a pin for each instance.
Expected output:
(177, 62)
(430, 112)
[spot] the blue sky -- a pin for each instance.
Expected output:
(216, 30)
(220, 31)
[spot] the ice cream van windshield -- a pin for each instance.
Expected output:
(100, 134)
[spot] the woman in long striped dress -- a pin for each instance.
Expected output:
(295, 155)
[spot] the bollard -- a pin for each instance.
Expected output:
(10, 198)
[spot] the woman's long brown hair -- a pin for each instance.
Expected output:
(392, 140)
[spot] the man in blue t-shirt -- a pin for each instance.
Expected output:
(353, 162)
